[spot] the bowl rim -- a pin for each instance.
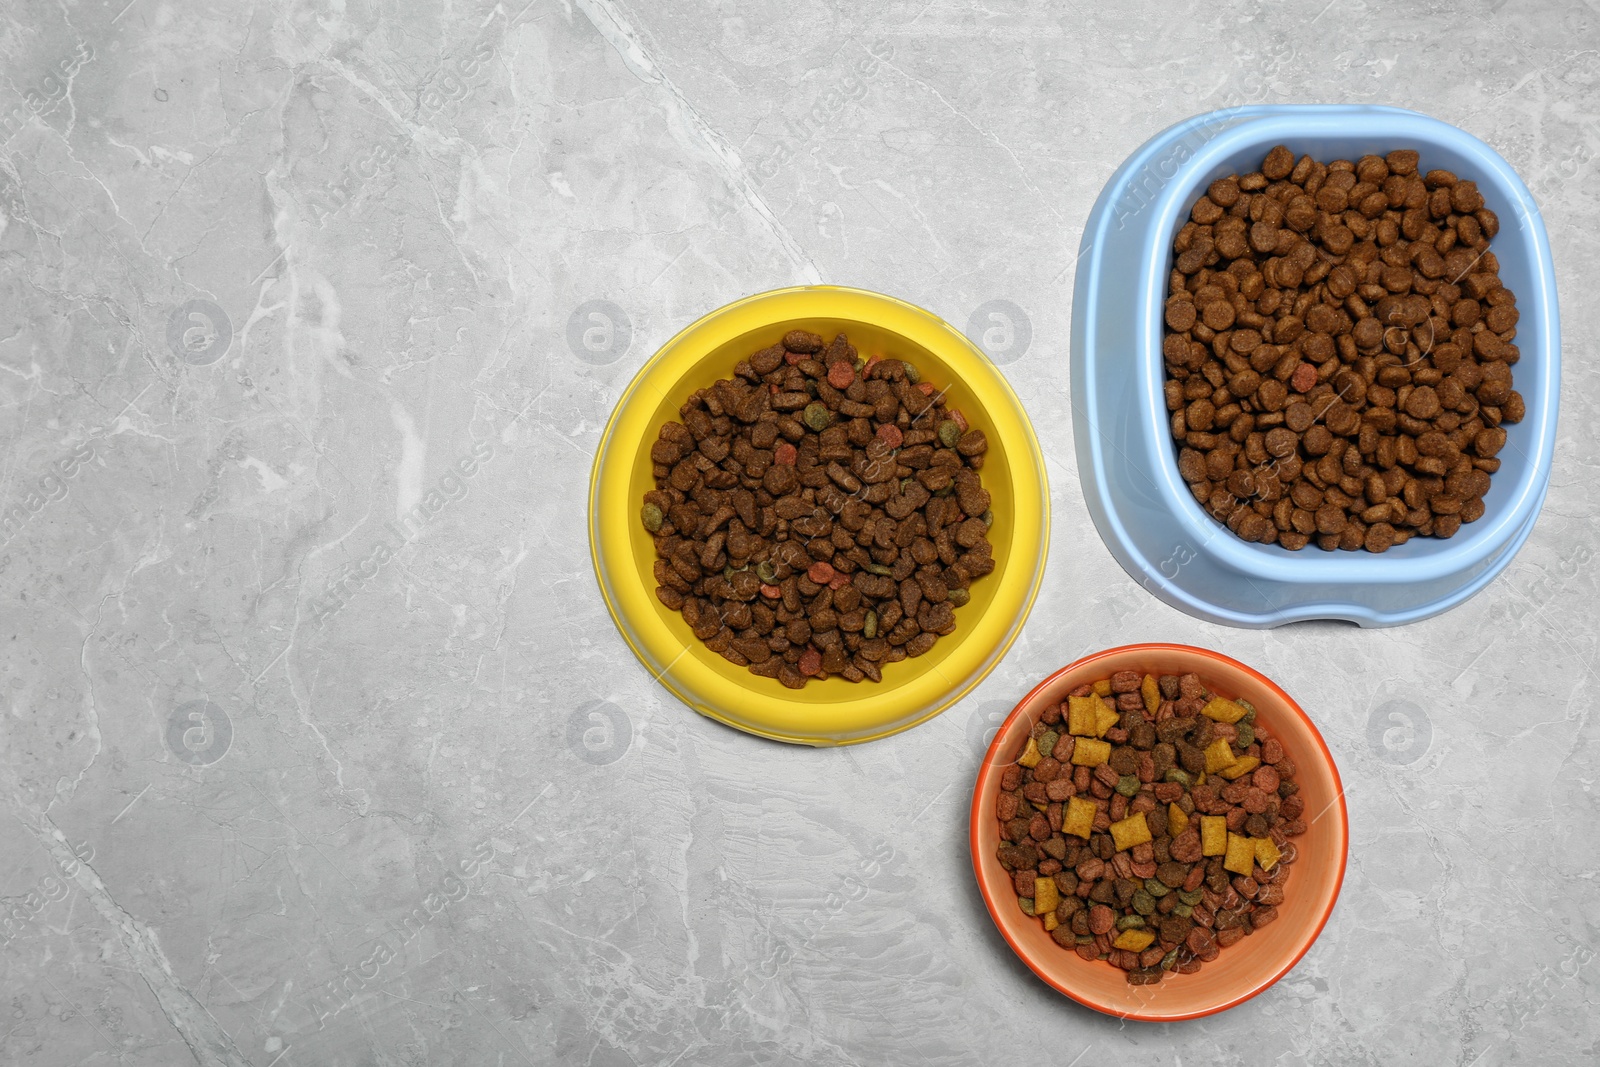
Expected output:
(991, 767)
(1171, 162)
(882, 710)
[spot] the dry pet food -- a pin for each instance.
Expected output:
(1339, 351)
(1147, 822)
(818, 514)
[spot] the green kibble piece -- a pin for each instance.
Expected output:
(1026, 904)
(1248, 707)
(906, 483)
(1143, 902)
(1247, 735)
(949, 433)
(1128, 784)
(818, 417)
(948, 490)
(869, 629)
(652, 517)
(1047, 743)
(1190, 897)
(1084, 939)
(959, 597)
(1156, 887)
(878, 569)
(766, 571)
(1180, 776)
(913, 375)
(1170, 960)
(987, 518)
(1184, 910)
(1130, 922)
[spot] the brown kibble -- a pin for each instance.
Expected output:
(1380, 537)
(1224, 192)
(1423, 403)
(785, 560)
(1206, 211)
(802, 341)
(1299, 416)
(1372, 205)
(1402, 161)
(1263, 237)
(1489, 442)
(1280, 442)
(1356, 326)
(972, 443)
(1465, 198)
(1501, 318)
(1301, 214)
(1278, 164)
(1217, 315)
(1514, 408)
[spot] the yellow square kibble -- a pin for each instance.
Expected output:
(1241, 855)
(1213, 835)
(1130, 831)
(1267, 853)
(1050, 921)
(1102, 688)
(1030, 755)
(1105, 719)
(1240, 767)
(1177, 820)
(1223, 710)
(1134, 940)
(1078, 819)
(1219, 755)
(1151, 693)
(1081, 717)
(1090, 753)
(1045, 896)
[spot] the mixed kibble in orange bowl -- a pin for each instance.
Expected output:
(1148, 822)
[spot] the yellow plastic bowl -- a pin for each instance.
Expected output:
(834, 711)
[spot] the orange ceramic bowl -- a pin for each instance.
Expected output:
(1242, 970)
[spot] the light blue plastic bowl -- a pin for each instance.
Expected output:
(1127, 460)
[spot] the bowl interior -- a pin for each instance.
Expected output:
(1242, 970)
(834, 711)
(1519, 246)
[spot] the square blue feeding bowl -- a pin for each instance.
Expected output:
(1127, 459)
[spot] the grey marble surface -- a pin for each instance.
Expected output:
(278, 793)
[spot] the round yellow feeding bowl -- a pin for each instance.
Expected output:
(832, 711)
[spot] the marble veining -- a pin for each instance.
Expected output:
(319, 746)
